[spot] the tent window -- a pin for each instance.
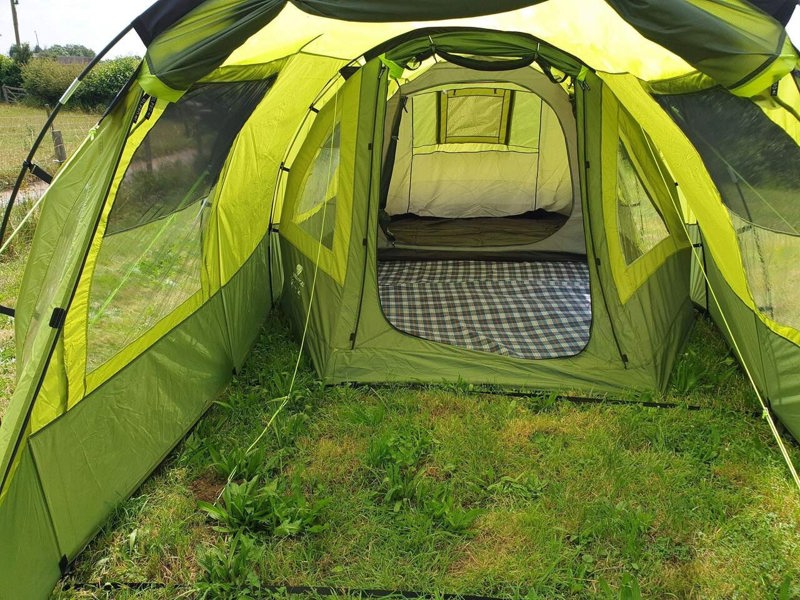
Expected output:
(474, 116)
(150, 260)
(755, 167)
(641, 226)
(315, 211)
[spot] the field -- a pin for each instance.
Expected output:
(452, 489)
(19, 126)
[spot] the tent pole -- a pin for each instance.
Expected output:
(28, 164)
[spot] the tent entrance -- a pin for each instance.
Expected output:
(481, 242)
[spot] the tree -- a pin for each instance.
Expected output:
(21, 54)
(67, 50)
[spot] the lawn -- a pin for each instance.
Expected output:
(444, 489)
(19, 126)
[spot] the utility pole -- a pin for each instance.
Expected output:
(14, 19)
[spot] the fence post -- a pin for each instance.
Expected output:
(59, 150)
(5, 94)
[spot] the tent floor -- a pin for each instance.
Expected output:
(530, 310)
(519, 230)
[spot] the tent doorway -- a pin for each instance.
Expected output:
(481, 241)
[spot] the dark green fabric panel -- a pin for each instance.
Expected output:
(387, 11)
(771, 359)
(99, 452)
(737, 323)
(160, 16)
(247, 299)
(418, 45)
(728, 40)
(205, 37)
(29, 554)
(297, 296)
(697, 279)
(754, 165)
(366, 184)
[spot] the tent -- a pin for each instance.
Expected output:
(533, 197)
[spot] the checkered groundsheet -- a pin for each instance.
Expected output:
(530, 310)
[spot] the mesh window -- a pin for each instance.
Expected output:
(474, 115)
(641, 226)
(181, 157)
(315, 212)
(755, 165)
(150, 259)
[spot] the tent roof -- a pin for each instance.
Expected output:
(733, 41)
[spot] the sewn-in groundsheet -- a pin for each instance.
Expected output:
(531, 310)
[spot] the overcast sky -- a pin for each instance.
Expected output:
(94, 23)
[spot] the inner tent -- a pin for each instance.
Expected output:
(481, 241)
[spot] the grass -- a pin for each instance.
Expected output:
(19, 126)
(442, 490)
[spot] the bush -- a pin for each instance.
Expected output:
(46, 80)
(104, 81)
(10, 72)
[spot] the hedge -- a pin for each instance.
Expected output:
(10, 72)
(45, 81)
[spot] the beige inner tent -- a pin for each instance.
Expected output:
(493, 152)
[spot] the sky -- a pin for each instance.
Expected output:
(94, 23)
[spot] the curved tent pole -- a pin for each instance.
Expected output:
(28, 164)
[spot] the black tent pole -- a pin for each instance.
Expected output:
(28, 164)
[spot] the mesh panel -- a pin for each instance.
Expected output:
(316, 209)
(755, 165)
(641, 226)
(181, 157)
(150, 260)
(474, 115)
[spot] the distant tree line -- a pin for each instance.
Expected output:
(44, 79)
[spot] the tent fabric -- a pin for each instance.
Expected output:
(286, 203)
(735, 43)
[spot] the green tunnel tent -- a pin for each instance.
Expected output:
(432, 193)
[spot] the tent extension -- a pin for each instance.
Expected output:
(430, 191)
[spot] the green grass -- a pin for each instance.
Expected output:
(443, 490)
(19, 126)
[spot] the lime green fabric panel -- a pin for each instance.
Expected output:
(783, 108)
(580, 35)
(652, 317)
(623, 140)
(137, 417)
(683, 160)
(247, 186)
(319, 193)
(66, 226)
(29, 553)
